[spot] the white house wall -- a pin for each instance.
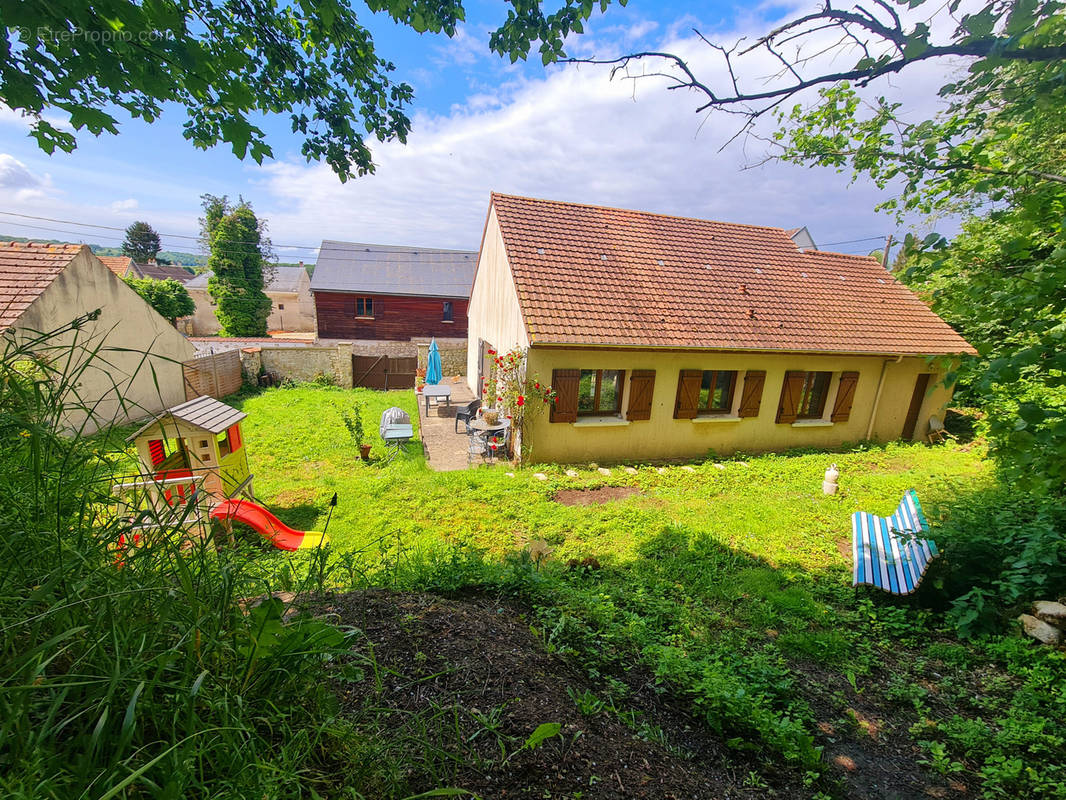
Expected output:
(494, 314)
(138, 369)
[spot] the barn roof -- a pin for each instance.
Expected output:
(384, 269)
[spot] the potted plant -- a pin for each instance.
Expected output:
(420, 379)
(353, 421)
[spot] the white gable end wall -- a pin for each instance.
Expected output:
(133, 341)
(494, 314)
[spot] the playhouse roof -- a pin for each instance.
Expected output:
(202, 412)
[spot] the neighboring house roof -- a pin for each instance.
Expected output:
(204, 412)
(590, 275)
(383, 269)
(120, 265)
(27, 269)
(284, 279)
(802, 237)
(162, 272)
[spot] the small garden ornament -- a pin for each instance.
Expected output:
(829, 485)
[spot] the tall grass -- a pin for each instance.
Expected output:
(145, 679)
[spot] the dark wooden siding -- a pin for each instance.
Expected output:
(396, 317)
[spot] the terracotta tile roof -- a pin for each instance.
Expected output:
(26, 270)
(605, 276)
(120, 265)
(162, 272)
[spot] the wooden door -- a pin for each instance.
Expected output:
(921, 385)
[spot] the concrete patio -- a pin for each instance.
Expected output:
(444, 448)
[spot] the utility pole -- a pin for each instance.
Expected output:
(884, 256)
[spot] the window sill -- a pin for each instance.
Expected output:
(812, 423)
(365, 317)
(599, 422)
(716, 418)
(448, 321)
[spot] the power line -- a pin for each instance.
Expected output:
(123, 230)
(103, 236)
(465, 284)
(855, 241)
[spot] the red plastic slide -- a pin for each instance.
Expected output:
(266, 525)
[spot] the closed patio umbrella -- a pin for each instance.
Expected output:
(433, 365)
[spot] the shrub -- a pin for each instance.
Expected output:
(1001, 549)
(133, 670)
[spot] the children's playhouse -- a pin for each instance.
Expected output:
(195, 453)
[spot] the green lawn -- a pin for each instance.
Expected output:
(770, 507)
(728, 585)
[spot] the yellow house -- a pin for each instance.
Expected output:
(289, 289)
(131, 355)
(669, 337)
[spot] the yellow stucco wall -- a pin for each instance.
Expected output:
(298, 313)
(493, 314)
(665, 437)
(126, 321)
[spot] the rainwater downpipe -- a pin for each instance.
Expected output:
(877, 397)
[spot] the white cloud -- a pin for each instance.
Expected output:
(19, 183)
(128, 204)
(573, 135)
(22, 119)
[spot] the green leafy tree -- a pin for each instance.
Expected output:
(168, 297)
(141, 242)
(240, 262)
(229, 63)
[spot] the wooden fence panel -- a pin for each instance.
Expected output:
(384, 372)
(217, 375)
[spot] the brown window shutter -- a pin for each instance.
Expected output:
(790, 396)
(565, 385)
(379, 308)
(751, 396)
(845, 396)
(641, 388)
(688, 394)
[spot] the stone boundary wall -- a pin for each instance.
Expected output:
(452, 356)
(306, 362)
(300, 363)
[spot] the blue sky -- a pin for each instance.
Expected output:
(480, 124)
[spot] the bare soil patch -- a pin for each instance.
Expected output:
(865, 739)
(478, 659)
(588, 497)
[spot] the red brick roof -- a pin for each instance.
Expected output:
(603, 276)
(26, 270)
(118, 264)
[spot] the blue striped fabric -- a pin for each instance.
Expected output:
(887, 551)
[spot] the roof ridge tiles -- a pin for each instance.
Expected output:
(659, 214)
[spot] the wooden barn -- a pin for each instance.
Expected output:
(370, 291)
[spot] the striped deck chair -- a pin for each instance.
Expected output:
(887, 551)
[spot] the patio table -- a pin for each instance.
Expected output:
(501, 425)
(482, 429)
(438, 391)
